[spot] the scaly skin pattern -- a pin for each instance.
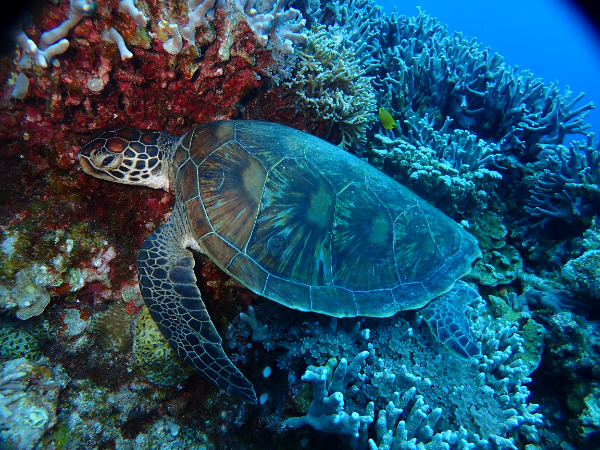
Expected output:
(129, 156)
(168, 286)
(448, 323)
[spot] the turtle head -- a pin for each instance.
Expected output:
(129, 156)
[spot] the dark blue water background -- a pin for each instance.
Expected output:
(551, 38)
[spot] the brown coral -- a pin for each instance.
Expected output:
(114, 328)
(330, 86)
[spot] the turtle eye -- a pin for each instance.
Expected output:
(108, 161)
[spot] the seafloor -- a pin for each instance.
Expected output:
(507, 155)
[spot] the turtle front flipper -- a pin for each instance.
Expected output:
(168, 286)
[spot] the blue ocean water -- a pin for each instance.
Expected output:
(553, 39)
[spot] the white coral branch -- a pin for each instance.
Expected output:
(113, 36)
(128, 7)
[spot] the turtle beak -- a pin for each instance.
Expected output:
(90, 169)
(86, 165)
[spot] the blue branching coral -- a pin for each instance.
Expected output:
(567, 182)
(482, 402)
(426, 69)
(454, 170)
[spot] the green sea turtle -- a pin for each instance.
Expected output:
(293, 218)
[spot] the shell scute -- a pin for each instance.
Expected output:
(288, 293)
(333, 301)
(449, 244)
(232, 185)
(416, 254)
(244, 268)
(218, 249)
(375, 303)
(209, 137)
(197, 218)
(290, 144)
(296, 215)
(363, 234)
(189, 189)
(411, 296)
(337, 166)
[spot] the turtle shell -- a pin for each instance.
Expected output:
(306, 224)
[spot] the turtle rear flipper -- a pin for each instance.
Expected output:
(168, 286)
(449, 324)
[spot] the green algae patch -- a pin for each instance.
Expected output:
(60, 437)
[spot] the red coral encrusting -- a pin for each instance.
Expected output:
(89, 88)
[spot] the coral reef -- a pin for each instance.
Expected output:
(493, 146)
(501, 262)
(359, 23)
(431, 70)
(52, 42)
(573, 343)
(446, 169)
(28, 401)
(259, 332)
(484, 401)
(68, 263)
(568, 186)
(329, 85)
(153, 355)
(94, 415)
(571, 363)
(29, 295)
(583, 274)
(114, 327)
(330, 391)
(516, 124)
(269, 21)
(24, 340)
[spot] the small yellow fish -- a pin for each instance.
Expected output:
(386, 119)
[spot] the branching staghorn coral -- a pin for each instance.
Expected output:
(267, 18)
(451, 169)
(569, 185)
(330, 86)
(463, 150)
(52, 42)
(425, 69)
(360, 23)
(330, 388)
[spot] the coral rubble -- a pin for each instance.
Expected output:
(29, 396)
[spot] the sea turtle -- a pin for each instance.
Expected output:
(290, 216)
